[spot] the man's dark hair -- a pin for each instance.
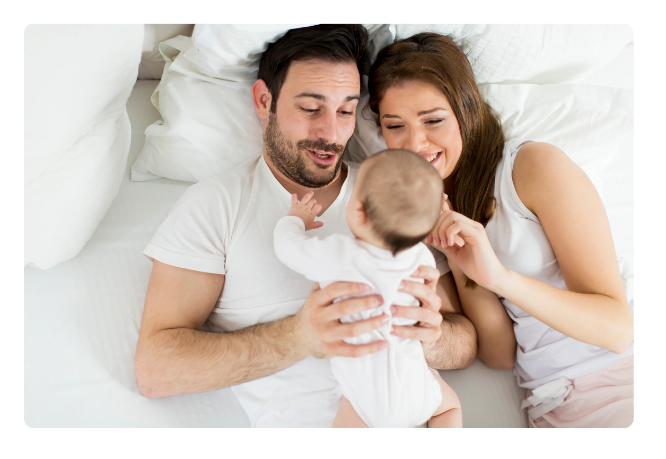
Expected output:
(328, 42)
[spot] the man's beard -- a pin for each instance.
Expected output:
(290, 162)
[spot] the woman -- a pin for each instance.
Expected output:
(526, 237)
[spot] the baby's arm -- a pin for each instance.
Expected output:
(313, 257)
(449, 412)
(307, 209)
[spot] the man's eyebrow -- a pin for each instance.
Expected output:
(321, 97)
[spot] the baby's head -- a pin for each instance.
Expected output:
(396, 201)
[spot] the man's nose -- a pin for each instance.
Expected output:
(417, 140)
(327, 128)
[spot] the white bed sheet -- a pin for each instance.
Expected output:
(82, 317)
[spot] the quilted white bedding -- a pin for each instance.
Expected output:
(82, 317)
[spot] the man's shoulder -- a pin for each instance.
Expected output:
(230, 183)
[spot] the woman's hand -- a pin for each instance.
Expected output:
(466, 242)
(428, 328)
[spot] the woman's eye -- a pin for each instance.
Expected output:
(395, 126)
(437, 121)
(347, 113)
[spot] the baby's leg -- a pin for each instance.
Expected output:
(449, 412)
(347, 416)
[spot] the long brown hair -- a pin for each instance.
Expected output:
(437, 60)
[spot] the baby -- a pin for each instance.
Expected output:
(395, 203)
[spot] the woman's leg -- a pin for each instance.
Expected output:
(449, 412)
(604, 398)
(347, 416)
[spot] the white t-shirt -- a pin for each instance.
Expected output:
(390, 388)
(225, 225)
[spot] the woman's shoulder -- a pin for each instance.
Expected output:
(540, 170)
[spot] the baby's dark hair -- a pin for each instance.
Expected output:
(402, 196)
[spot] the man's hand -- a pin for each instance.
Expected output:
(429, 318)
(318, 321)
(307, 209)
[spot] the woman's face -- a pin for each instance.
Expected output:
(416, 116)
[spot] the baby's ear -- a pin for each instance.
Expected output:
(360, 212)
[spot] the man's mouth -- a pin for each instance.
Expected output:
(322, 157)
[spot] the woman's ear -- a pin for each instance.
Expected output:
(262, 99)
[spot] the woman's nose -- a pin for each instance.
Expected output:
(417, 140)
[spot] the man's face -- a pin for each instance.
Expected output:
(314, 119)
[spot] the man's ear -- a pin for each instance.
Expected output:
(262, 98)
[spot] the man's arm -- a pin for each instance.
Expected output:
(173, 357)
(448, 337)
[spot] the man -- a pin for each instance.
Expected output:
(214, 260)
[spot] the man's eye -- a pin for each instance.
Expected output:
(309, 110)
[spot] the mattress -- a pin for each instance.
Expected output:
(82, 317)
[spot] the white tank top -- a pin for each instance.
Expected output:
(516, 235)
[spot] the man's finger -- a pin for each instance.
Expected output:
(429, 274)
(423, 293)
(343, 349)
(352, 306)
(423, 334)
(350, 330)
(424, 315)
(337, 289)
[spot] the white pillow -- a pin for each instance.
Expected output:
(77, 133)
(152, 62)
(540, 54)
(510, 53)
(209, 120)
(591, 124)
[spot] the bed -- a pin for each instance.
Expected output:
(82, 316)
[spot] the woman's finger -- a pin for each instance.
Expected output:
(294, 199)
(317, 224)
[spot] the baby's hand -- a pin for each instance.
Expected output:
(306, 210)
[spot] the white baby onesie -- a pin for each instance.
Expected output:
(390, 388)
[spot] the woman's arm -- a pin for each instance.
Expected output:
(594, 308)
(557, 191)
(496, 343)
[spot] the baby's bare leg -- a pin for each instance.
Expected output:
(347, 416)
(449, 412)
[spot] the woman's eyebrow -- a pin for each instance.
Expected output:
(425, 112)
